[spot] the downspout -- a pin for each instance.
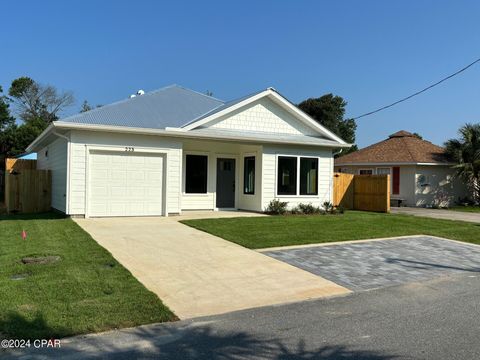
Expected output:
(67, 185)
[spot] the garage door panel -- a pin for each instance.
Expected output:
(100, 159)
(100, 174)
(117, 191)
(153, 192)
(125, 184)
(154, 208)
(154, 175)
(136, 175)
(118, 174)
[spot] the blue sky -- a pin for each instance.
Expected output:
(369, 52)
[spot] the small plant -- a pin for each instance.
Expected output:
(296, 211)
(308, 209)
(340, 209)
(276, 207)
(328, 207)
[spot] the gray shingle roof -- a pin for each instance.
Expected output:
(171, 106)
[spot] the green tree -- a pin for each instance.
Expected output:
(36, 105)
(418, 135)
(34, 101)
(329, 111)
(85, 107)
(6, 120)
(465, 151)
(7, 123)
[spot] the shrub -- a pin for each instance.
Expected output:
(308, 209)
(296, 211)
(328, 207)
(276, 207)
(340, 209)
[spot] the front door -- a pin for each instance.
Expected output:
(225, 183)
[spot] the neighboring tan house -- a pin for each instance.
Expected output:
(421, 174)
(175, 149)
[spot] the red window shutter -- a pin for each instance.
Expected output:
(396, 180)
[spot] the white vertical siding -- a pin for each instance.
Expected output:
(269, 168)
(56, 161)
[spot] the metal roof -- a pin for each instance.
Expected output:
(171, 106)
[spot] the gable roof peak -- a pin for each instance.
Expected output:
(400, 134)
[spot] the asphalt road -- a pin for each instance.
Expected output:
(436, 319)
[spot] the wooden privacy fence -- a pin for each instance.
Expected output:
(20, 164)
(27, 190)
(362, 192)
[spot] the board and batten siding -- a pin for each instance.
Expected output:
(54, 158)
(269, 170)
(80, 140)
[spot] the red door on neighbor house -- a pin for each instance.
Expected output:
(396, 180)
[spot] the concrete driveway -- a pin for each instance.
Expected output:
(437, 214)
(374, 264)
(198, 274)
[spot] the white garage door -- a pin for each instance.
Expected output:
(125, 184)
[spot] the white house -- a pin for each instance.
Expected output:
(175, 149)
(421, 174)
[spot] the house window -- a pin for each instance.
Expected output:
(249, 175)
(196, 174)
(365, 172)
(308, 176)
(287, 175)
(383, 171)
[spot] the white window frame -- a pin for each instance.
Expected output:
(297, 188)
(367, 169)
(383, 167)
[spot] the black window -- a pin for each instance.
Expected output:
(249, 175)
(308, 176)
(196, 174)
(287, 176)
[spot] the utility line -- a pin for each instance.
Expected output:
(418, 92)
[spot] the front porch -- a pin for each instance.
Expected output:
(220, 175)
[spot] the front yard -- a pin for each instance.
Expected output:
(81, 289)
(263, 232)
(470, 209)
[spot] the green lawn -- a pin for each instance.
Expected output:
(262, 232)
(87, 290)
(472, 209)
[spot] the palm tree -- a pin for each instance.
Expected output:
(465, 151)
